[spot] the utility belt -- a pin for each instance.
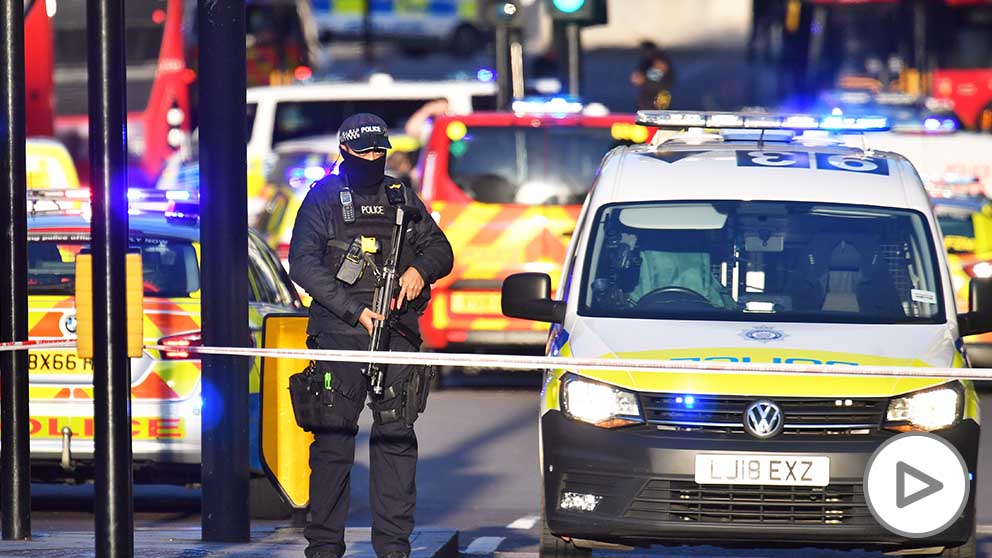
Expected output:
(316, 401)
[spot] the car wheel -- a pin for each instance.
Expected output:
(265, 502)
(553, 547)
(465, 40)
(967, 550)
(985, 119)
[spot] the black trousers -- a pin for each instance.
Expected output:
(392, 452)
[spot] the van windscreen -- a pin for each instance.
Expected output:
(762, 261)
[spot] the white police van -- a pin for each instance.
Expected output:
(762, 243)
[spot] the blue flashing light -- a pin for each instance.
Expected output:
(568, 6)
(931, 124)
(557, 107)
(800, 122)
(134, 194)
(177, 195)
(687, 401)
(485, 75)
(832, 123)
(971, 477)
(836, 123)
(314, 173)
(949, 124)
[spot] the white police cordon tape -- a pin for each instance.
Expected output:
(521, 362)
(37, 345)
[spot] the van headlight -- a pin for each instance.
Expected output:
(600, 404)
(930, 409)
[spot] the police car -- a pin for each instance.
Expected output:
(752, 245)
(166, 386)
(966, 221)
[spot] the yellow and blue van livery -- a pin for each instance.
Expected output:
(745, 246)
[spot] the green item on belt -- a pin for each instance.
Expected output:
(327, 380)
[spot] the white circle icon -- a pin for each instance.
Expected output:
(916, 484)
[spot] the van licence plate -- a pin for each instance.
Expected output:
(749, 468)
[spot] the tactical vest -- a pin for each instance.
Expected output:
(375, 216)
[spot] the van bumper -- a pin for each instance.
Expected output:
(645, 478)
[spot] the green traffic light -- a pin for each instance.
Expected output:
(568, 6)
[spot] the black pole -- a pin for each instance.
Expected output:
(573, 33)
(111, 366)
(504, 73)
(14, 436)
(224, 287)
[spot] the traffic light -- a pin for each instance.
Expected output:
(583, 12)
(506, 13)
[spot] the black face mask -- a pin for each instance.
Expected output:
(363, 174)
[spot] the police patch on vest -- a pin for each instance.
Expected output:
(373, 210)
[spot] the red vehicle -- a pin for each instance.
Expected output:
(507, 188)
(38, 70)
(158, 104)
(964, 74)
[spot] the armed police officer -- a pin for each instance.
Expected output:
(340, 241)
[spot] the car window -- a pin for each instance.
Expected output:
(958, 227)
(298, 119)
(281, 283)
(762, 261)
(548, 165)
(262, 279)
(169, 266)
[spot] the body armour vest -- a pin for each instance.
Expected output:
(374, 217)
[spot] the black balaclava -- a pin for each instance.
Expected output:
(362, 174)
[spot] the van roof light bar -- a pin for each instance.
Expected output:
(837, 123)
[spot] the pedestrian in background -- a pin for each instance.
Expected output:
(653, 78)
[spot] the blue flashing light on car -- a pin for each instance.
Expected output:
(557, 107)
(485, 75)
(688, 401)
(304, 176)
(837, 123)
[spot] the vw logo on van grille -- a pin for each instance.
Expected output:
(763, 419)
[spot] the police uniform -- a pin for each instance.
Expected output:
(325, 225)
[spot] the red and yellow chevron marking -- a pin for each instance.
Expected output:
(491, 241)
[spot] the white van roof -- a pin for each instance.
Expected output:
(781, 171)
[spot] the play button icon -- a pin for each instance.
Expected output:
(904, 470)
(916, 484)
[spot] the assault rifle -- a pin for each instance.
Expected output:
(387, 281)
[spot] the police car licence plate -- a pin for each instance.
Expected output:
(749, 468)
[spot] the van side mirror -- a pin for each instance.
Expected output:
(528, 296)
(979, 316)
